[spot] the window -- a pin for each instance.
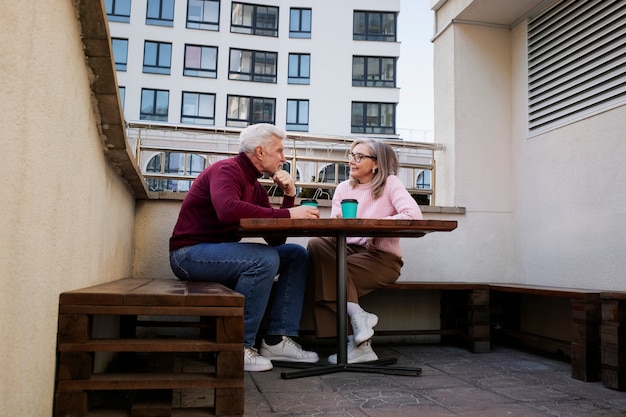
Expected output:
(373, 118)
(252, 66)
(374, 26)
(328, 174)
(423, 180)
(298, 115)
(118, 10)
(120, 53)
(299, 69)
(174, 163)
(373, 71)
(160, 12)
(300, 23)
(253, 19)
(198, 108)
(154, 104)
(203, 14)
(576, 61)
(243, 111)
(200, 61)
(157, 57)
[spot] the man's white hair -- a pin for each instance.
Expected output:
(258, 134)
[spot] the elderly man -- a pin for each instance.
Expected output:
(205, 247)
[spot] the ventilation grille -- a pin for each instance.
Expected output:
(576, 61)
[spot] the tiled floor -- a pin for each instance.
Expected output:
(503, 383)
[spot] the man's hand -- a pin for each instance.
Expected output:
(304, 212)
(283, 179)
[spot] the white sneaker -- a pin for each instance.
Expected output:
(356, 354)
(363, 326)
(288, 351)
(253, 362)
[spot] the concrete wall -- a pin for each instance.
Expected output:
(546, 209)
(67, 216)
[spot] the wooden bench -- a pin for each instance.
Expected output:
(474, 313)
(580, 307)
(117, 338)
(464, 313)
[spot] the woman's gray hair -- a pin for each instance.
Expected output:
(387, 163)
(259, 134)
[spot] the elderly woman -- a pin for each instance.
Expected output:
(372, 262)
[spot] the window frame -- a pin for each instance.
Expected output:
(296, 75)
(157, 67)
(201, 71)
(160, 20)
(239, 14)
(366, 126)
(154, 113)
(297, 20)
(368, 34)
(248, 103)
(114, 14)
(196, 117)
(121, 63)
(373, 79)
(204, 24)
(258, 65)
(298, 124)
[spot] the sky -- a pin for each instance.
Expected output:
(415, 69)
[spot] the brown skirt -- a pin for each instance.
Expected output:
(367, 271)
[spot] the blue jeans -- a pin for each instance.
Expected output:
(250, 269)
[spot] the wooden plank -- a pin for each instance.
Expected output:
(157, 403)
(435, 285)
(150, 345)
(212, 293)
(153, 310)
(158, 292)
(109, 293)
(229, 401)
(542, 290)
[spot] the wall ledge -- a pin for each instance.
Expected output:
(168, 195)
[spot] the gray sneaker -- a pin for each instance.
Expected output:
(253, 362)
(356, 354)
(288, 351)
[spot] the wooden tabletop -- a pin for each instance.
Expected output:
(352, 227)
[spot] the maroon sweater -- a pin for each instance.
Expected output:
(224, 193)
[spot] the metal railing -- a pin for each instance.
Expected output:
(317, 158)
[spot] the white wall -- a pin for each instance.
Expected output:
(545, 209)
(570, 195)
(67, 216)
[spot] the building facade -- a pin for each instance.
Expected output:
(322, 67)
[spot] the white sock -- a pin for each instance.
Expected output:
(354, 308)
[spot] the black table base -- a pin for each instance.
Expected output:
(379, 366)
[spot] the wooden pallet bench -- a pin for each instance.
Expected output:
(136, 330)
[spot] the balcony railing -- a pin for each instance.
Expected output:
(172, 156)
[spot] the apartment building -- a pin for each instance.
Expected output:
(322, 67)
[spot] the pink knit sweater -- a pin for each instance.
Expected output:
(394, 203)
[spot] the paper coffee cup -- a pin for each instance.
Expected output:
(349, 208)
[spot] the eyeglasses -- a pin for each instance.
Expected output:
(358, 157)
